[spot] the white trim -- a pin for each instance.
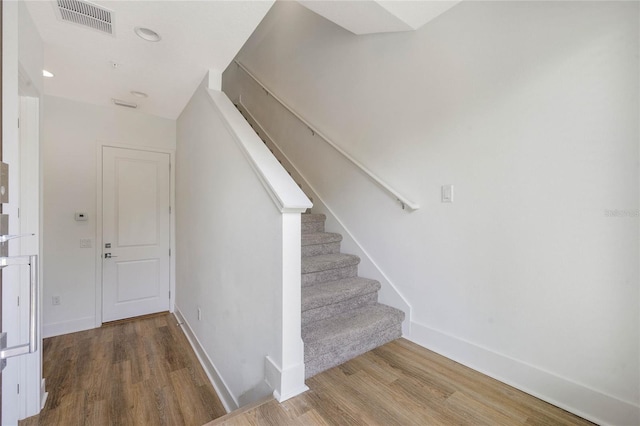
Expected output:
(226, 397)
(576, 398)
(287, 378)
(12, 373)
(172, 224)
(66, 327)
(30, 212)
(214, 80)
(287, 383)
(284, 192)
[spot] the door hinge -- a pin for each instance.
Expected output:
(18, 300)
(169, 294)
(169, 209)
(18, 388)
(169, 252)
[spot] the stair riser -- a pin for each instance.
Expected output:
(338, 355)
(318, 249)
(329, 275)
(309, 227)
(329, 311)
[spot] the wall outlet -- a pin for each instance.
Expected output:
(85, 243)
(55, 300)
(199, 314)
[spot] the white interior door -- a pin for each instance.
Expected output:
(135, 233)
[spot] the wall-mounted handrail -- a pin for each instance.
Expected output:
(404, 202)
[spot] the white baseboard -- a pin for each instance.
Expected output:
(576, 398)
(226, 397)
(66, 327)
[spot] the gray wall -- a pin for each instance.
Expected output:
(531, 110)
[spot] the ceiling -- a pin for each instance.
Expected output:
(379, 16)
(196, 36)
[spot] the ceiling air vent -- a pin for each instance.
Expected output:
(86, 14)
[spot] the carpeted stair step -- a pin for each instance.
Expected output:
(328, 267)
(332, 341)
(325, 300)
(317, 243)
(312, 222)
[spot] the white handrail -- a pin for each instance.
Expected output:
(404, 202)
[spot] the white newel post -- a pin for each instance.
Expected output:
(291, 368)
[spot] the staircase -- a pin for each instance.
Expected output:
(341, 316)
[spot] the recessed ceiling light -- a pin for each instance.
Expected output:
(139, 94)
(147, 34)
(46, 73)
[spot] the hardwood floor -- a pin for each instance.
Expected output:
(401, 383)
(138, 372)
(144, 372)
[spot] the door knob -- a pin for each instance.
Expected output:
(108, 256)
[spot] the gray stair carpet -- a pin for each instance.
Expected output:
(341, 316)
(316, 243)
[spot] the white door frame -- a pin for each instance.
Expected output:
(99, 241)
(30, 202)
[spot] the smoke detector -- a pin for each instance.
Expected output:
(87, 14)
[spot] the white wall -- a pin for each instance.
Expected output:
(73, 134)
(531, 110)
(229, 248)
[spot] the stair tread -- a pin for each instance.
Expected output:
(320, 238)
(326, 262)
(327, 293)
(345, 329)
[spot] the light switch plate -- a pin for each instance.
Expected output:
(447, 193)
(85, 243)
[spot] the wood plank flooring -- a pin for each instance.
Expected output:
(138, 372)
(402, 383)
(144, 372)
